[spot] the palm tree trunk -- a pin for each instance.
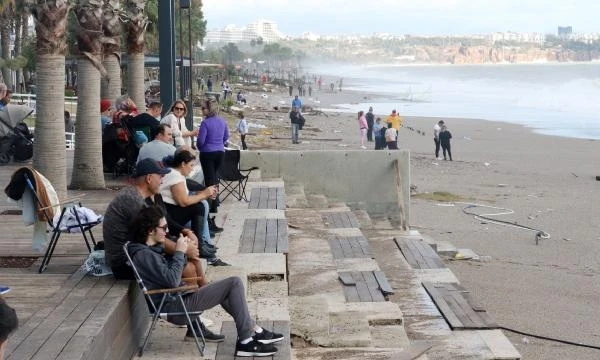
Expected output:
(87, 170)
(111, 84)
(49, 153)
(17, 44)
(24, 36)
(5, 44)
(135, 79)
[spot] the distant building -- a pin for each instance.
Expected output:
(565, 32)
(267, 30)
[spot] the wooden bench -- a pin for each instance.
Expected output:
(267, 198)
(458, 307)
(350, 247)
(264, 236)
(365, 286)
(419, 254)
(226, 349)
(342, 219)
(87, 318)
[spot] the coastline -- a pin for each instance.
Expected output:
(548, 181)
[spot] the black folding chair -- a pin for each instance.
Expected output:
(157, 312)
(68, 206)
(231, 178)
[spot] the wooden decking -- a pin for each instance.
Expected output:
(419, 254)
(264, 236)
(267, 198)
(341, 219)
(365, 286)
(349, 247)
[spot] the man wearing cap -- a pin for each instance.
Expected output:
(144, 191)
(105, 109)
(396, 121)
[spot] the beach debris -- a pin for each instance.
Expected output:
(499, 129)
(337, 131)
(467, 138)
(574, 174)
(566, 239)
(434, 163)
(486, 163)
(483, 258)
(525, 340)
(265, 96)
(597, 178)
(445, 204)
(342, 145)
(502, 185)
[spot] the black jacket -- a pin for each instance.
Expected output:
(445, 137)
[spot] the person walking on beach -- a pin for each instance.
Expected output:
(436, 138)
(209, 84)
(297, 103)
(391, 137)
(379, 134)
(396, 121)
(242, 128)
(370, 121)
(309, 90)
(296, 120)
(445, 137)
(362, 124)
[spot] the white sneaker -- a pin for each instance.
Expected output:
(363, 147)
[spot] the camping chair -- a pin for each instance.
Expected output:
(231, 177)
(157, 311)
(58, 228)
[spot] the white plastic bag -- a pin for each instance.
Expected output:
(95, 265)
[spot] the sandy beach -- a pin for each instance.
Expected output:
(549, 289)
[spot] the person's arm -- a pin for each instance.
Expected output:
(201, 135)
(182, 198)
(166, 274)
(226, 135)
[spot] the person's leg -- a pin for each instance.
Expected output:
(370, 133)
(244, 146)
(444, 151)
(229, 293)
(437, 147)
(449, 153)
(363, 133)
(205, 225)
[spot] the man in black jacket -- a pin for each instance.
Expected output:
(370, 122)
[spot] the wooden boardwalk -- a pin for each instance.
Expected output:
(267, 198)
(264, 236)
(339, 220)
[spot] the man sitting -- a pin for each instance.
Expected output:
(145, 191)
(149, 119)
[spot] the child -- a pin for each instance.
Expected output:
(379, 135)
(390, 137)
(445, 137)
(242, 128)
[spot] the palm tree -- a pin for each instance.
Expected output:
(87, 166)
(49, 155)
(7, 13)
(135, 26)
(111, 84)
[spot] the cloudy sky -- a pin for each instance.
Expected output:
(408, 17)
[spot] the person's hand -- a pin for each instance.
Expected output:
(192, 251)
(182, 244)
(190, 235)
(194, 132)
(210, 192)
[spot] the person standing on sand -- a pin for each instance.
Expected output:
(445, 137)
(391, 137)
(297, 103)
(379, 134)
(362, 124)
(436, 138)
(370, 121)
(296, 120)
(396, 121)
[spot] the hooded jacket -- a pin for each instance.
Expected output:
(157, 270)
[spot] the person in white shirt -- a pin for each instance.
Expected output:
(242, 128)
(436, 137)
(176, 120)
(391, 134)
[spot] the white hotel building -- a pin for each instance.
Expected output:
(265, 29)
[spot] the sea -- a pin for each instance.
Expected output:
(560, 99)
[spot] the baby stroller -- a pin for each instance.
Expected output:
(120, 147)
(16, 141)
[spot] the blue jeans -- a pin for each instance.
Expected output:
(295, 129)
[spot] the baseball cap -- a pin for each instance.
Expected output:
(104, 105)
(149, 166)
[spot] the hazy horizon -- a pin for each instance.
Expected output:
(427, 17)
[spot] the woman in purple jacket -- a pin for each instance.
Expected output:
(212, 137)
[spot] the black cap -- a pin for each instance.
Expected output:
(149, 166)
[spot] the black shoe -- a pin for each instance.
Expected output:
(212, 234)
(254, 348)
(267, 337)
(212, 225)
(209, 336)
(218, 262)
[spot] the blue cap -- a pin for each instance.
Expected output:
(149, 166)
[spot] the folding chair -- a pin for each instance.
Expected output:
(231, 177)
(58, 228)
(157, 312)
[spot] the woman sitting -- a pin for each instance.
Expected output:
(159, 272)
(184, 207)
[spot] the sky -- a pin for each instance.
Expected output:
(425, 17)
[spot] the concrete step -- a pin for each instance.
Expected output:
(317, 201)
(363, 218)
(295, 196)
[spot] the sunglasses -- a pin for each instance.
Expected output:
(178, 108)
(164, 227)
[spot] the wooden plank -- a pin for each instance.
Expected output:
(260, 237)
(226, 349)
(271, 238)
(281, 198)
(264, 197)
(346, 248)
(247, 238)
(415, 350)
(254, 198)
(284, 347)
(346, 278)
(336, 248)
(282, 236)
(442, 306)
(357, 246)
(421, 262)
(431, 257)
(410, 259)
(373, 286)
(344, 219)
(366, 248)
(361, 287)
(384, 285)
(354, 223)
(272, 198)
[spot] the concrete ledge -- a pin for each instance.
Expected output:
(499, 345)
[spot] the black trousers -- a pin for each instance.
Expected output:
(370, 133)
(437, 147)
(211, 162)
(243, 137)
(446, 147)
(193, 213)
